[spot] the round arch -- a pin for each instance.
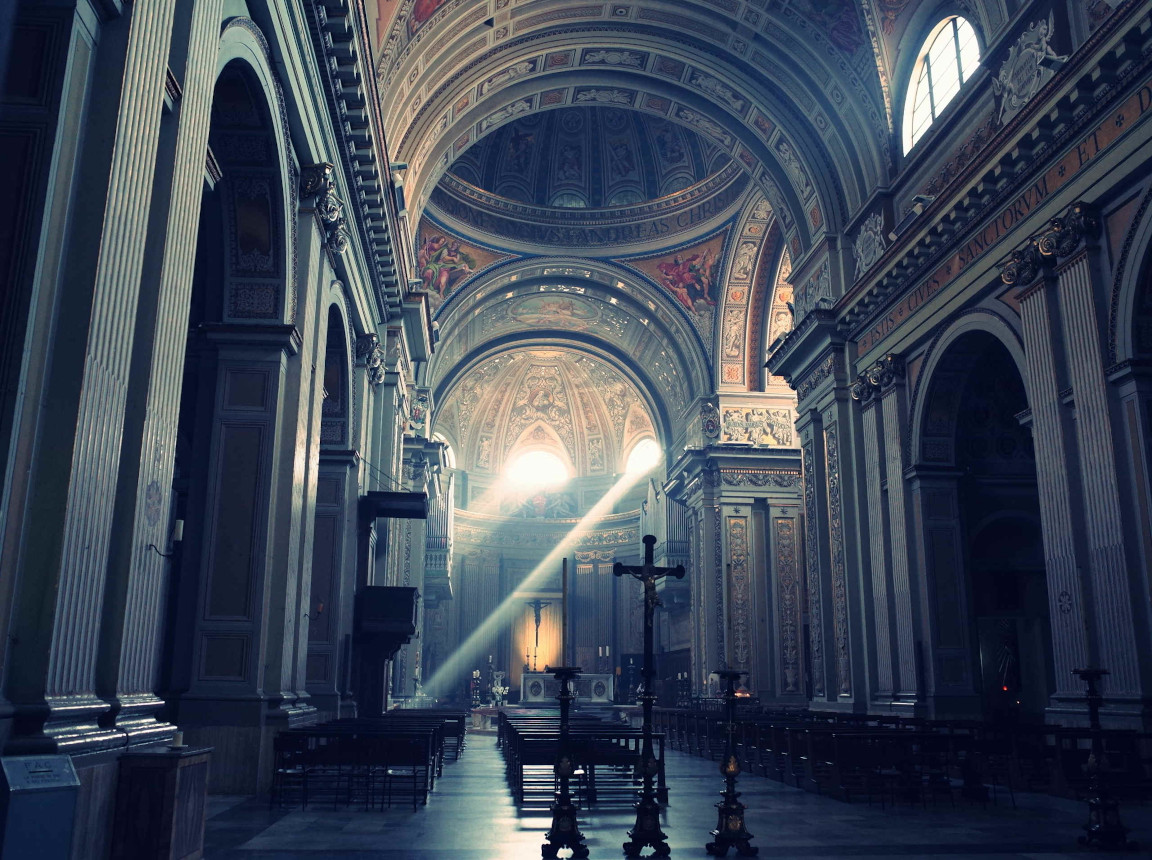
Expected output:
(634, 318)
(980, 320)
(258, 180)
(1133, 277)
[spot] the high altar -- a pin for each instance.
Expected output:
(593, 689)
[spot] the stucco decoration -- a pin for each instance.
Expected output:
(740, 591)
(1031, 63)
(869, 245)
(788, 595)
(815, 292)
(815, 600)
(760, 427)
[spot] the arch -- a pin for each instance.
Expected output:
(630, 310)
(834, 122)
(1132, 280)
(337, 413)
(257, 180)
(618, 360)
(975, 320)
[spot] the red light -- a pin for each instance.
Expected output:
(1004, 688)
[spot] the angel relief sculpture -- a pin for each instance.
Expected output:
(1031, 63)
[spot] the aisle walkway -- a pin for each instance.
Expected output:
(471, 817)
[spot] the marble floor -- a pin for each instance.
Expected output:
(472, 816)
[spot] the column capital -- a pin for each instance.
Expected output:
(1061, 237)
(877, 379)
(318, 186)
(1066, 234)
(370, 355)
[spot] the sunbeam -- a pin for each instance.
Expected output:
(456, 664)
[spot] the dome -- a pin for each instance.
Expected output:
(588, 157)
(557, 400)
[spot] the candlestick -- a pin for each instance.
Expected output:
(564, 613)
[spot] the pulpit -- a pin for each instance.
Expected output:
(385, 619)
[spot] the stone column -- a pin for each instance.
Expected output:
(333, 582)
(136, 591)
(785, 527)
(844, 662)
(864, 393)
(1044, 375)
(51, 675)
(821, 650)
(1108, 554)
(888, 376)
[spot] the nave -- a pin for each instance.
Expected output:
(471, 815)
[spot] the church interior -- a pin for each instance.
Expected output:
(403, 324)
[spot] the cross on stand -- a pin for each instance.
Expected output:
(646, 831)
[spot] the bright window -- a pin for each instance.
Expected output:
(537, 469)
(643, 457)
(948, 59)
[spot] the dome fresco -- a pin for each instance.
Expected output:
(588, 157)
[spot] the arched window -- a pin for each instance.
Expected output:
(948, 58)
(644, 457)
(538, 469)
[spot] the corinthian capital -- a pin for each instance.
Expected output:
(1023, 266)
(1065, 234)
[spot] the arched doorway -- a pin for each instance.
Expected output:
(228, 592)
(982, 542)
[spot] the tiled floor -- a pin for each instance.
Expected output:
(471, 816)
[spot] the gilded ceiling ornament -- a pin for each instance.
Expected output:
(1030, 65)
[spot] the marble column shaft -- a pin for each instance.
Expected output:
(101, 283)
(877, 544)
(903, 581)
(132, 649)
(1065, 597)
(1106, 551)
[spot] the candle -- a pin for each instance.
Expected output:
(599, 650)
(607, 651)
(178, 739)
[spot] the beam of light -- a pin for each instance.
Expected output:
(464, 656)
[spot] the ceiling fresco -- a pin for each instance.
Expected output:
(444, 261)
(795, 95)
(588, 157)
(563, 400)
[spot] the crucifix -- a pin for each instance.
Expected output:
(647, 830)
(537, 605)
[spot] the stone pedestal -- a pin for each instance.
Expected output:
(161, 804)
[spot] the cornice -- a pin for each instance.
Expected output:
(339, 39)
(966, 202)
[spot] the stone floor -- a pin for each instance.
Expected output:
(471, 816)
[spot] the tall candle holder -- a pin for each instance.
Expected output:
(730, 831)
(564, 832)
(646, 831)
(1104, 827)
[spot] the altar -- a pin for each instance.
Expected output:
(542, 688)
